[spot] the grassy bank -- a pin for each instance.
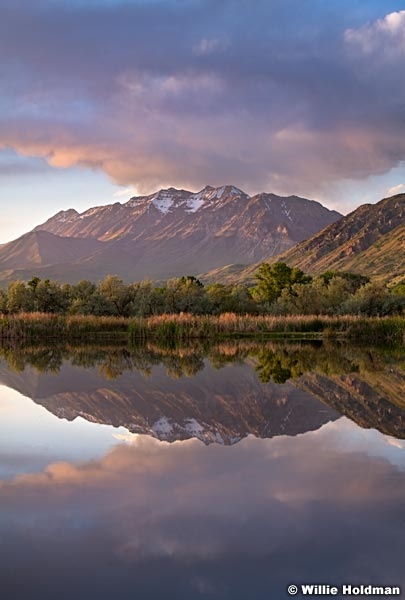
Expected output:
(40, 326)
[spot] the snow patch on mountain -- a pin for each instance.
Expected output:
(66, 216)
(91, 211)
(195, 202)
(163, 201)
(193, 427)
(162, 427)
(166, 201)
(286, 211)
(237, 192)
(208, 197)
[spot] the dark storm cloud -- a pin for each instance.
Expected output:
(286, 95)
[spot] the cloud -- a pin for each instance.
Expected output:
(278, 96)
(396, 189)
(125, 192)
(385, 35)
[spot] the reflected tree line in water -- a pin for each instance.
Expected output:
(274, 362)
(365, 384)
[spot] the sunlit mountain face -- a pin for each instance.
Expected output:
(169, 233)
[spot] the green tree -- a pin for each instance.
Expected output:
(19, 297)
(372, 299)
(273, 279)
(147, 299)
(3, 302)
(399, 288)
(186, 294)
(33, 283)
(353, 280)
(303, 299)
(49, 297)
(118, 295)
(86, 299)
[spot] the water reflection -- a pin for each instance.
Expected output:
(93, 511)
(217, 393)
(152, 519)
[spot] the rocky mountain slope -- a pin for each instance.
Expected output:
(369, 241)
(170, 233)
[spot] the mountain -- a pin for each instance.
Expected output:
(370, 240)
(221, 406)
(39, 248)
(170, 233)
(367, 403)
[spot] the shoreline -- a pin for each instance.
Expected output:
(184, 326)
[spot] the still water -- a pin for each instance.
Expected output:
(226, 472)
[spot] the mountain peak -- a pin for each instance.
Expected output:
(168, 233)
(168, 199)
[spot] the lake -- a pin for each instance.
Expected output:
(225, 471)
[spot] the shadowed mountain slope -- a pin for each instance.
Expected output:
(39, 248)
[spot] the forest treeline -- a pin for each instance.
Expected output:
(279, 290)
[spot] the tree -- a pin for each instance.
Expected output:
(147, 299)
(19, 297)
(86, 299)
(303, 299)
(33, 283)
(354, 280)
(3, 302)
(119, 295)
(186, 294)
(273, 279)
(372, 299)
(49, 297)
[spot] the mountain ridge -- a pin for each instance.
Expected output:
(166, 234)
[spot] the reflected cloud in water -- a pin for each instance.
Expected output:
(184, 520)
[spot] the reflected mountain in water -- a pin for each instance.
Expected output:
(367, 385)
(171, 395)
(219, 393)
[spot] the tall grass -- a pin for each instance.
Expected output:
(37, 326)
(185, 326)
(24, 326)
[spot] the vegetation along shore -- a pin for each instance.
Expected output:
(284, 301)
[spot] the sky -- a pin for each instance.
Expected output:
(102, 100)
